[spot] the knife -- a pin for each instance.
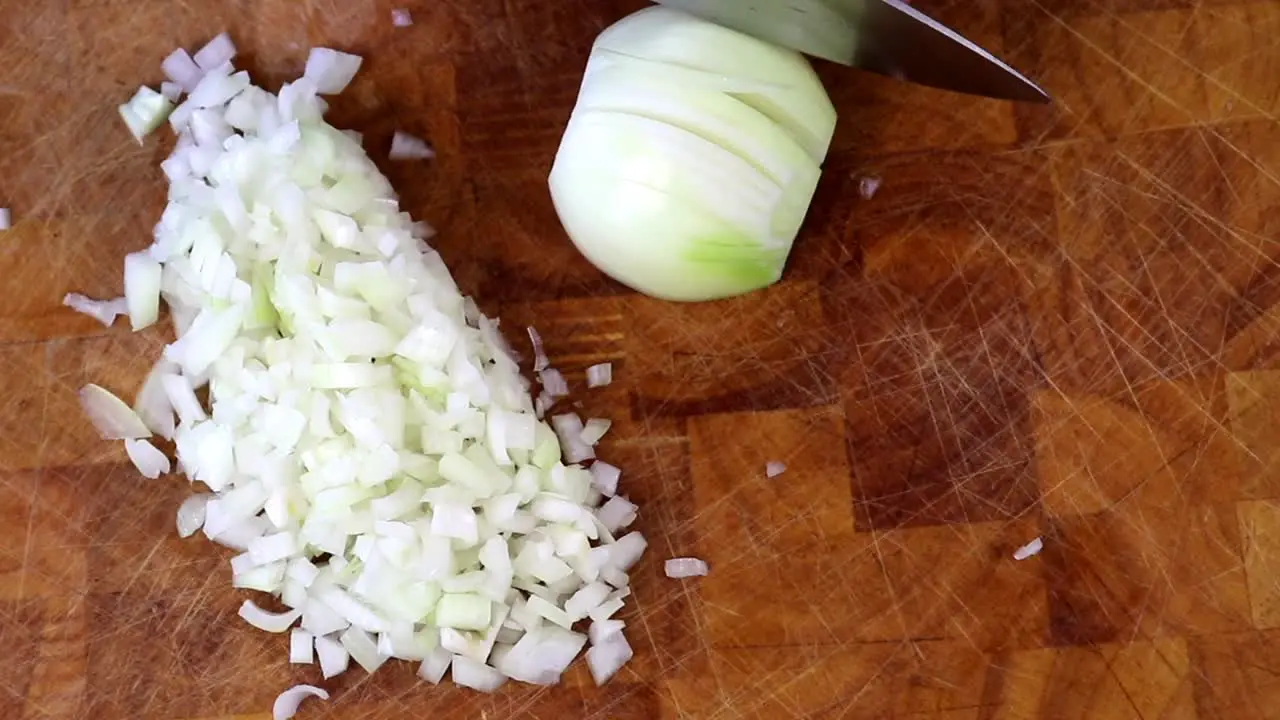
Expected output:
(884, 36)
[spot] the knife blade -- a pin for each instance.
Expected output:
(887, 37)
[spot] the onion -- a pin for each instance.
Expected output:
(1030, 549)
(301, 647)
(617, 513)
(540, 361)
(333, 657)
(599, 375)
(372, 450)
(217, 52)
(554, 383)
(476, 675)
(191, 514)
(331, 70)
(268, 621)
(606, 658)
(435, 666)
(287, 702)
(146, 458)
(401, 18)
(142, 289)
(868, 186)
(5, 220)
(604, 477)
(113, 419)
(707, 164)
(171, 91)
(774, 468)
(407, 147)
(182, 70)
(594, 430)
(104, 311)
(684, 567)
(145, 112)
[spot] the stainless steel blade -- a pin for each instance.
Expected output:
(883, 36)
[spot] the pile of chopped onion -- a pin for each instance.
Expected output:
(369, 445)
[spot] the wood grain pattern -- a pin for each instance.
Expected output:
(1056, 321)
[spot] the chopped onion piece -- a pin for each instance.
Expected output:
(617, 513)
(867, 186)
(684, 567)
(1032, 548)
(287, 702)
(606, 658)
(171, 91)
(604, 477)
(476, 675)
(407, 147)
(554, 383)
(104, 311)
(216, 53)
(774, 468)
(191, 514)
(600, 630)
(301, 647)
(5, 221)
(401, 18)
(599, 375)
(594, 430)
(331, 70)
(146, 458)
(142, 289)
(182, 70)
(333, 656)
(569, 429)
(113, 419)
(145, 112)
(435, 666)
(268, 621)
(624, 553)
(540, 360)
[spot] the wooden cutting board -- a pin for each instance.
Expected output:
(1058, 322)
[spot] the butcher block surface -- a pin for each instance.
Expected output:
(1058, 321)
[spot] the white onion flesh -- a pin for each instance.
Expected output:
(1029, 550)
(407, 147)
(371, 447)
(401, 18)
(113, 419)
(599, 375)
(216, 52)
(606, 658)
(268, 621)
(331, 70)
(191, 514)
(149, 461)
(540, 360)
(704, 144)
(684, 567)
(287, 702)
(104, 311)
(6, 220)
(145, 111)
(182, 70)
(301, 647)
(774, 468)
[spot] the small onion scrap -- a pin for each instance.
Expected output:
(774, 468)
(5, 220)
(407, 147)
(1030, 549)
(104, 311)
(599, 375)
(287, 702)
(677, 568)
